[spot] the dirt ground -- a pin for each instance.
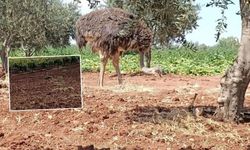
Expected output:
(146, 112)
(46, 88)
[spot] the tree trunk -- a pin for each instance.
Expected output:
(4, 53)
(236, 79)
(3, 59)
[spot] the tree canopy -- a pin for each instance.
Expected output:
(35, 23)
(169, 20)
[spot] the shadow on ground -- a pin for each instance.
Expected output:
(157, 114)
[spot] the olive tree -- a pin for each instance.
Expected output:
(31, 25)
(170, 20)
(18, 21)
(60, 21)
(236, 79)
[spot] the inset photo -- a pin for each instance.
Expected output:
(45, 82)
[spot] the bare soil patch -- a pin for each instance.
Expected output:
(127, 118)
(53, 88)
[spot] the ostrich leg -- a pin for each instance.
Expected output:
(104, 60)
(141, 59)
(115, 61)
(148, 58)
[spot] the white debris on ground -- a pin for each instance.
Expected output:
(129, 88)
(189, 89)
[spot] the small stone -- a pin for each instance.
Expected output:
(89, 147)
(176, 99)
(121, 100)
(105, 117)
(1, 134)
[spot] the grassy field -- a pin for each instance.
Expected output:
(204, 61)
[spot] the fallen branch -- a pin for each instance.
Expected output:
(191, 107)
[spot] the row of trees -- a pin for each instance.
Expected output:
(30, 25)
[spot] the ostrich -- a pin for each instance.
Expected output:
(111, 31)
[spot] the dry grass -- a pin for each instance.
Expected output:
(207, 130)
(126, 87)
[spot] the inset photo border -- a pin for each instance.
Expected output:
(45, 83)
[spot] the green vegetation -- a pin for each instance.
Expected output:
(178, 61)
(201, 61)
